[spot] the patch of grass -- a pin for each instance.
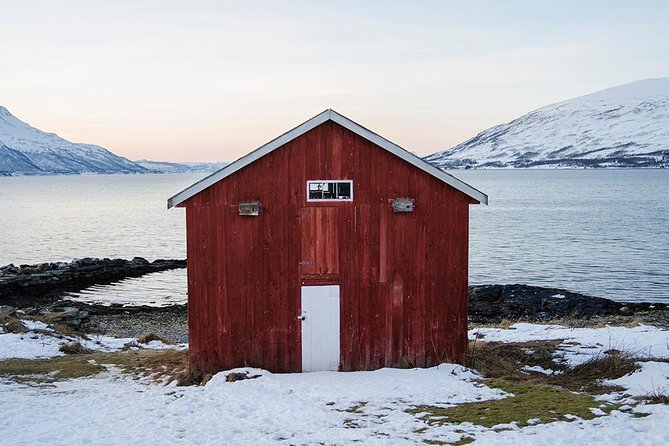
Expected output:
(191, 376)
(529, 401)
(357, 408)
(74, 348)
(655, 397)
(505, 323)
(588, 375)
(49, 370)
(350, 423)
(151, 336)
(506, 360)
(161, 365)
(11, 324)
(406, 363)
(67, 330)
(460, 442)
(499, 360)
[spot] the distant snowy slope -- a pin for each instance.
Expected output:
(25, 150)
(167, 167)
(627, 125)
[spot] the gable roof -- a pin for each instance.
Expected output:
(327, 115)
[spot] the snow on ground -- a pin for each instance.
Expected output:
(617, 428)
(322, 407)
(653, 378)
(275, 408)
(42, 342)
(581, 344)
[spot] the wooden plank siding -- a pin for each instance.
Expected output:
(402, 276)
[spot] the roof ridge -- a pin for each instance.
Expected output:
(326, 115)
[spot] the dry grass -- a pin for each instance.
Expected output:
(161, 365)
(74, 348)
(67, 330)
(528, 401)
(49, 370)
(151, 336)
(656, 397)
(59, 327)
(505, 323)
(506, 360)
(11, 324)
(588, 375)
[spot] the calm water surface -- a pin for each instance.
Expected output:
(601, 232)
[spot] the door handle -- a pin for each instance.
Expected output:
(301, 318)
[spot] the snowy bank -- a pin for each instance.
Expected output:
(325, 407)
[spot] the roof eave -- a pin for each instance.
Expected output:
(409, 157)
(248, 159)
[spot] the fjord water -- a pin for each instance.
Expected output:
(600, 232)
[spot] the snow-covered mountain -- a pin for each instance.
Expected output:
(167, 167)
(623, 126)
(25, 150)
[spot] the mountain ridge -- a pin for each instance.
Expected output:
(27, 150)
(621, 126)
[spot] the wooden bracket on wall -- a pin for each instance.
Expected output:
(403, 204)
(249, 208)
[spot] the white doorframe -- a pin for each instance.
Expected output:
(320, 328)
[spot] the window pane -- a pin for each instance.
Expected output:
(315, 194)
(329, 190)
(344, 190)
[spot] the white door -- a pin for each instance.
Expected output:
(320, 328)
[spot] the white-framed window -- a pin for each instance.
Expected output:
(329, 190)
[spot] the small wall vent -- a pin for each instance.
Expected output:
(249, 208)
(403, 205)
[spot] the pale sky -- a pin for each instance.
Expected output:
(212, 80)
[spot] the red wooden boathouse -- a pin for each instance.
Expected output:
(328, 248)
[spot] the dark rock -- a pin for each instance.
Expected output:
(69, 315)
(39, 284)
(239, 376)
(492, 303)
(7, 310)
(9, 270)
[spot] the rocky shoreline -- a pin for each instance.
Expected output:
(494, 303)
(44, 283)
(36, 290)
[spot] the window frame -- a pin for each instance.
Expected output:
(311, 200)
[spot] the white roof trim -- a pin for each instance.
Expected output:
(317, 120)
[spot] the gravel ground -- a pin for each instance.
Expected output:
(171, 324)
(659, 318)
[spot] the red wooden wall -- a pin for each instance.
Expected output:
(403, 277)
